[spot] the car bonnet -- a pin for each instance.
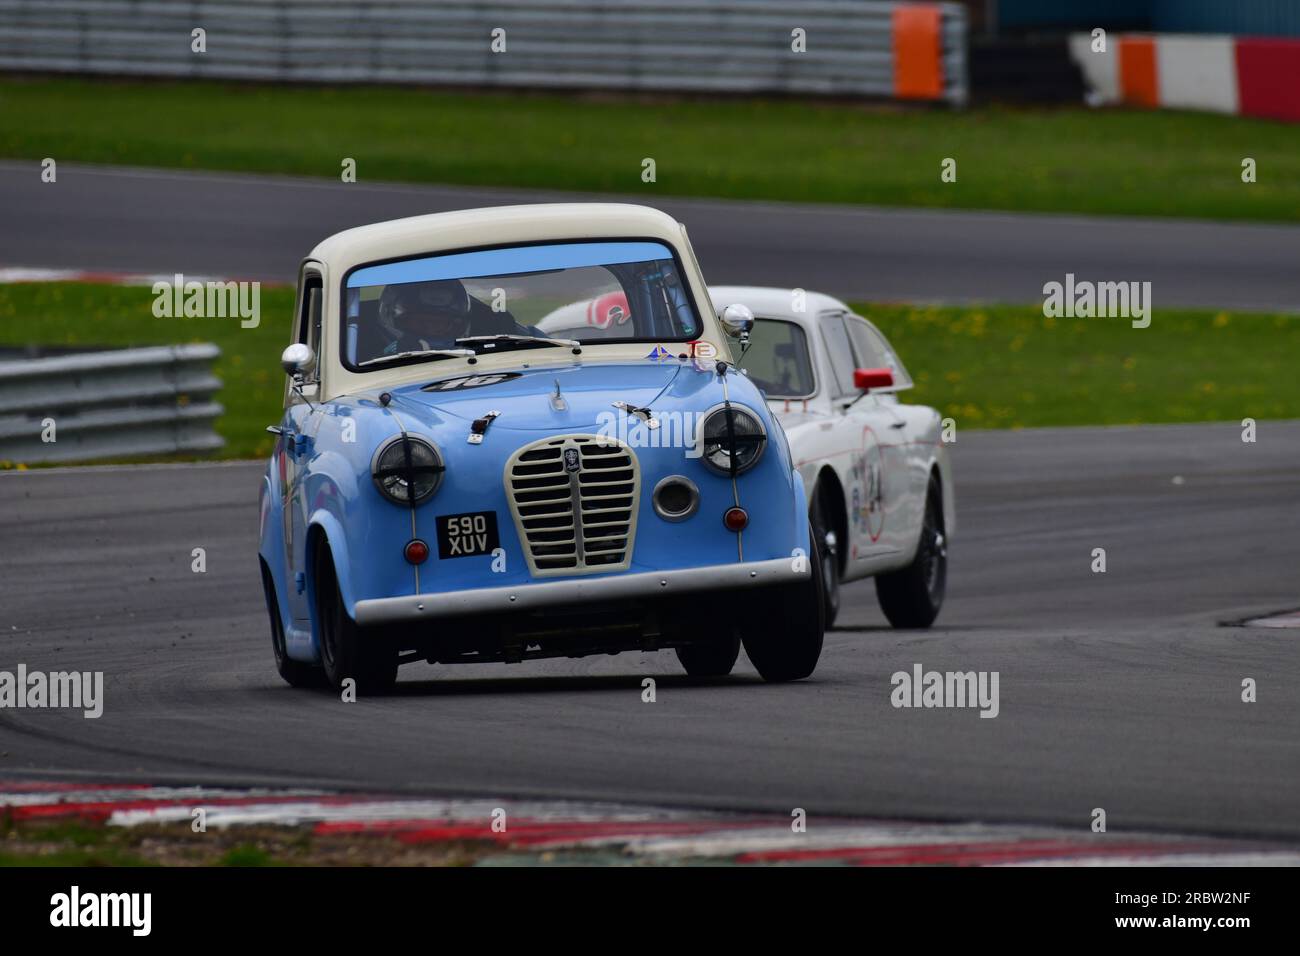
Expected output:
(526, 398)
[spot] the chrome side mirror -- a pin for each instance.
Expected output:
(737, 320)
(297, 359)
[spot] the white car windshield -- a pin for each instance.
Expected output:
(512, 298)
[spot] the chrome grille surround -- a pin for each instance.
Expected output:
(574, 522)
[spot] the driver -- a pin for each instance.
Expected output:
(424, 315)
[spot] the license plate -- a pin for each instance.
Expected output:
(467, 535)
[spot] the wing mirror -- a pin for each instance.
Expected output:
(867, 379)
(737, 320)
(297, 359)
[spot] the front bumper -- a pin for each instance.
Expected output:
(532, 597)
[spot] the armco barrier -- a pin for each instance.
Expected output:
(853, 47)
(113, 404)
(1223, 74)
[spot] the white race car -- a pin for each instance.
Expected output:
(876, 471)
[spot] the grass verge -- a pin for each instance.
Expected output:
(68, 843)
(1013, 367)
(1068, 159)
(994, 367)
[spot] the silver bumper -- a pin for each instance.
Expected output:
(529, 597)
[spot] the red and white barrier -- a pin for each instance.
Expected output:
(1223, 74)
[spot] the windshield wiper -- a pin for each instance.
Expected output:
(522, 340)
(441, 353)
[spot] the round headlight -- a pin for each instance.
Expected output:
(407, 480)
(737, 444)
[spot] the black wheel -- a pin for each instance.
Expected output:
(912, 596)
(712, 655)
(295, 673)
(823, 524)
(782, 627)
(346, 650)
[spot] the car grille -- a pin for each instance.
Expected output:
(574, 522)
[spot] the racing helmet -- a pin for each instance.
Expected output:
(436, 309)
(608, 310)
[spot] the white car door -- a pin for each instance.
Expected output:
(874, 483)
(905, 464)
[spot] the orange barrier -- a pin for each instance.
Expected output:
(918, 52)
(1137, 70)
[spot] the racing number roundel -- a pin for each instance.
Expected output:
(868, 505)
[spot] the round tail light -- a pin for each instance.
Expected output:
(416, 551)
(736, 519)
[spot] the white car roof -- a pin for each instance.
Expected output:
(478, 228)
(439, 232)
(766, 302)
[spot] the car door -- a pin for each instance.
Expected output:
(899, 502)
(865, 430)
(297, 430)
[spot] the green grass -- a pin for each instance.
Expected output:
(1012, 367)
(1067, 159)
(995, 367)
(246, 855)
(68, 843)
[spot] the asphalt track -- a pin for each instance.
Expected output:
(1118, 690)
(259, 227)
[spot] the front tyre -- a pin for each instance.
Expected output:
(912, 596)
(294, 673)
(782, 627)
(823, 523)
(346, 650)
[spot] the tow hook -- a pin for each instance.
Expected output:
(635, 411)
(478, 428)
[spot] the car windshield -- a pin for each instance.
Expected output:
(520, 296)
(777, 360)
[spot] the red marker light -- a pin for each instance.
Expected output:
(736, 519)
(416, 551)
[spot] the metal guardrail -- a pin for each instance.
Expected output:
(730, 46)
(114, 404)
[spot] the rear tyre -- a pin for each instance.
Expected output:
(294, 673)
(346, 650)
(711, 656)
(823, 524)
(912, 597)
(782, 627)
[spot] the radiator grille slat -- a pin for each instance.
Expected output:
(575, 522)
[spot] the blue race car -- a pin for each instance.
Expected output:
(523, 432)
